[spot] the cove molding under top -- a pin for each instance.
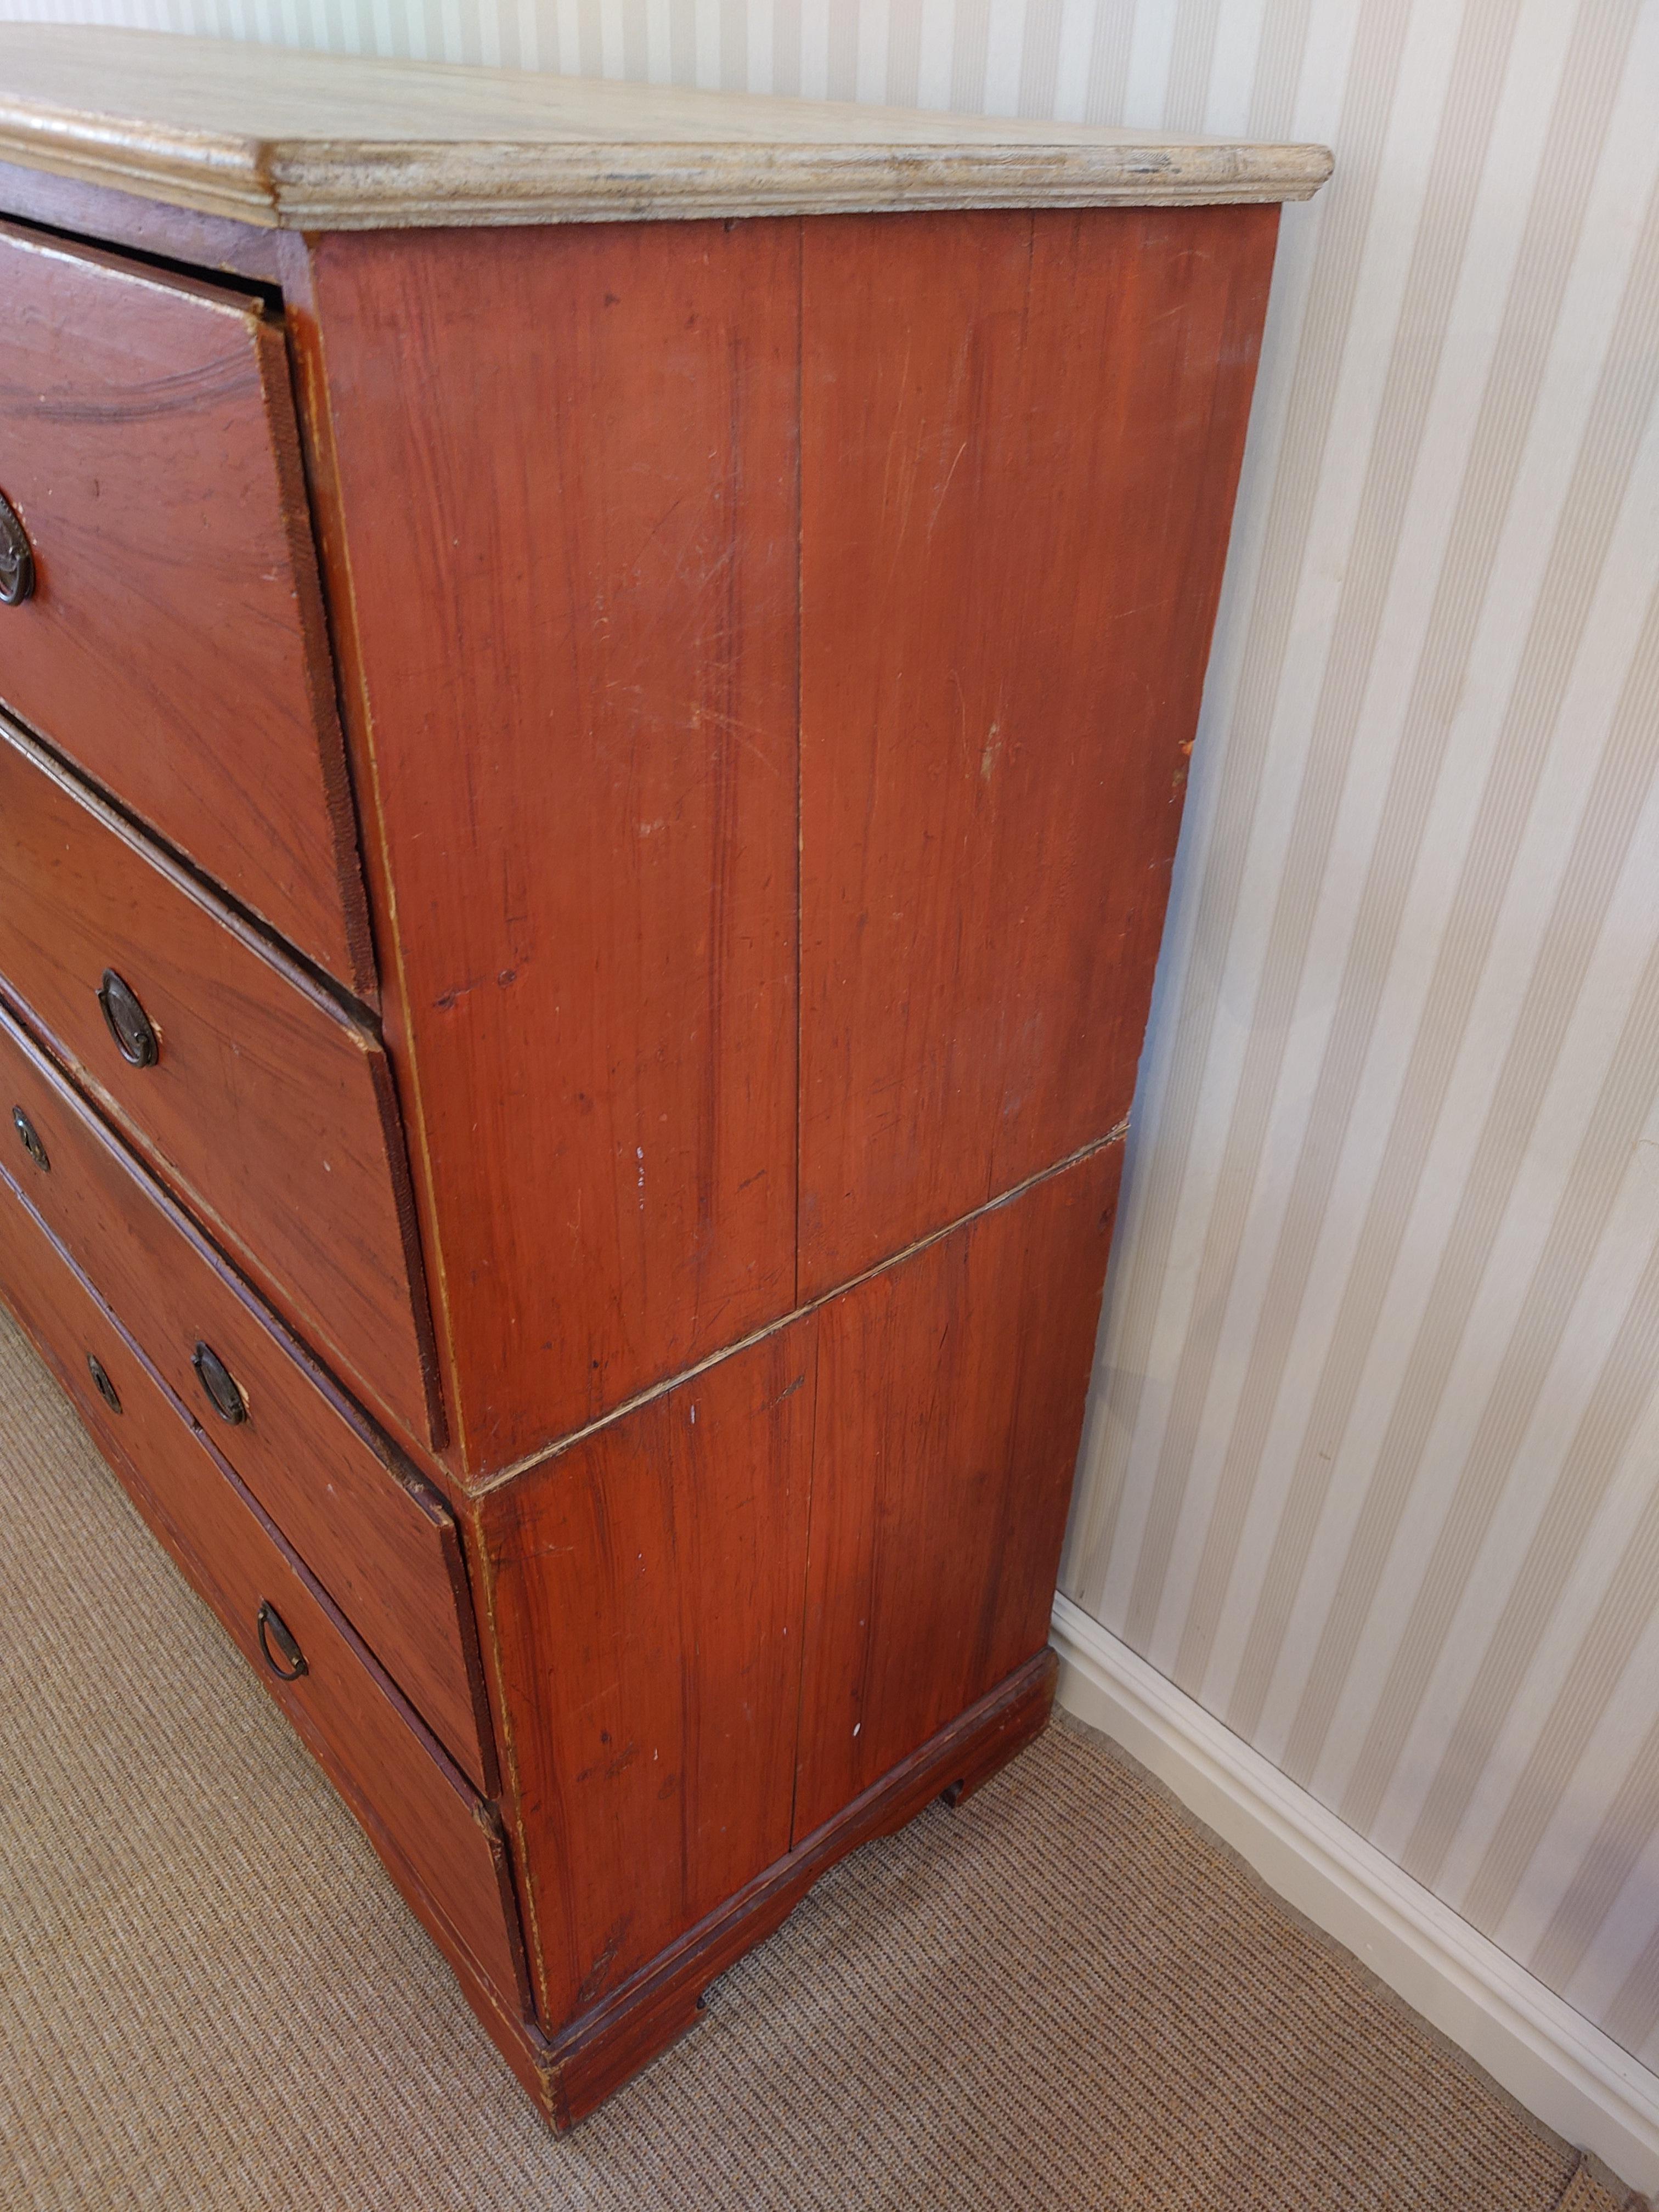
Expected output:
(297, 141)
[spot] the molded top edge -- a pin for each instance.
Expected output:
(296, 141)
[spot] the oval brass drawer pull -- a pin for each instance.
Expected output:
(224, 1392)
(17, 558)
(31, 1137)
(273, 1629)
(129, 1024)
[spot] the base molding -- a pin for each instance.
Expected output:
(572, 2072)
(1561, 2066)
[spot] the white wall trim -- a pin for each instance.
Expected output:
(1576, 2078)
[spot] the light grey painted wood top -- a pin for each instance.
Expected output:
(315, 142)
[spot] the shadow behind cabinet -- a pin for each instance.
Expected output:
(656, 1328)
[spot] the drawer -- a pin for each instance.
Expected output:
(173, 645)
(440, 1840)
(378, 1536)
(266, 1103)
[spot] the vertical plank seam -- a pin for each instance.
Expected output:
(800, 928)
(800, 651)
(805, 1589)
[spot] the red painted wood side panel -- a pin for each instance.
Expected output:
(1021, 436)
(645, 1590)
(949, 1400)
(566, 478)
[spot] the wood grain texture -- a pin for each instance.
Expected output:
(949, 1405)
(174, 645)
(644, 1591)
(1021, 436)
(415, 1806)
(568, 2075)
(596, 2053)
(269, 1106)
(379, 1537)
(319, 142)
(576, 730)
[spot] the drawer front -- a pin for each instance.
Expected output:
(379, 1538)
(173, 644)
(440, 1840)
(266, 1103)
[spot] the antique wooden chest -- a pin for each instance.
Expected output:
(597, 689)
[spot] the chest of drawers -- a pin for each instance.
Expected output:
(595, 690)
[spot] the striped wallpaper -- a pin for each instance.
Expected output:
(1371, 1456)
(1370, 1468)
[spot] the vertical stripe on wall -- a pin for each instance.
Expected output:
(1372, 1465)
(1332, 1362)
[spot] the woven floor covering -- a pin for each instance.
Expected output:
(1063, 1995)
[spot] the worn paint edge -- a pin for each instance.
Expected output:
(1533, 2043)
(358, 184)
(482, 1487)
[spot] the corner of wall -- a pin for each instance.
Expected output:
(1575, 2078)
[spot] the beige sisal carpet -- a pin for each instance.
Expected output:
(1065, 1995)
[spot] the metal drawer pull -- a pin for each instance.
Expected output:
(273, 1629)
(129, 1024)
(106, 1390)
(31, 1144)
(224, 1392)
(17, 558)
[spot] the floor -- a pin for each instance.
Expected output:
(1065, 1994)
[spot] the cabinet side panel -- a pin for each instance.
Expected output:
(1021, 437)
(566, 468)
(950, 1397)
(645, 1589)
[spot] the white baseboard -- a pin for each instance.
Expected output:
(1562, 2068)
